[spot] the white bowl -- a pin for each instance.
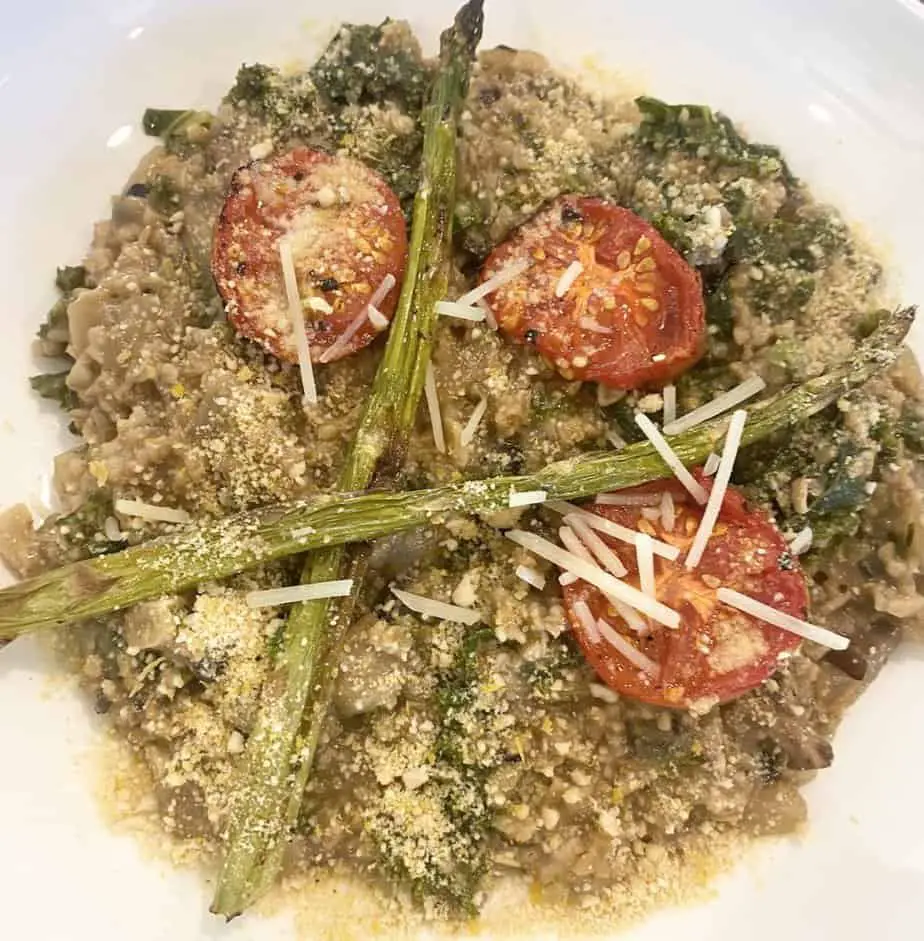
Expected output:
(839, 84)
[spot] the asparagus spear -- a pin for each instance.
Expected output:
(278, 757)
(221, 548)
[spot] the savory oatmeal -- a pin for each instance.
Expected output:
(577, 698)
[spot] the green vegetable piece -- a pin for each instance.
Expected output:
(280, 753)
(216, 549)
(70, 277)
(53, 385)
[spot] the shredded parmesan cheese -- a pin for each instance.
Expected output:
(627, 649)
(459, 311)
(471, 426)
(644, 555)
(670, 458)
(721, 403)
(297, 593)
(717, 495)
(298, 322)
(370, 312)
(594, 575)
(436, 609)
(591, 326)
(530, 576)
(150, 511)
(628, 499)
(378, 320)
(567, 578)
(616, 530)
(669, 410)
(667, 512)
(757, 609)
(596, 546)
(526, 497)
(802, 541)
(433, 407)
(318, 305)
(582, 612)
(711, 465)
(573, 544)
(504, 276)
(569, 276)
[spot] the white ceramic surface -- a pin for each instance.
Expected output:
(838, 83)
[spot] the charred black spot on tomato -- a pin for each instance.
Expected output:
(571, 213)
(531, 336)
(241, 267)
(329, 284)
(298, 176)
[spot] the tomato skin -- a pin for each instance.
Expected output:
(635, 316)
(347, 232)
(718, 653)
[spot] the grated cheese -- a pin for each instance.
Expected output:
(526, 497)
(433, 407)
(459, 311)
(150, 511)
(591, 326)
(616, 530)
(567, 578)
(583, 614)
(529, 575)
(595, 576)
(436, 609)
(757, 609)
(628, 499)
(711, 465)
(569, 276)
(670, 458)
(717, 494)
(668, 516)
(297, 319)
(627, 649)
(721, 403)
(378, 320)
(318, 305)
(802, 541)
(596, 546)
(644, 556)
(504, 276)
(669, 410)
(368, 312)
(294, 594)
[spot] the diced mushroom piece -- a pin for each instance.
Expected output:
(152, 624)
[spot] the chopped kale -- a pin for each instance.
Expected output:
(81, 534)
(699, 130)
(822, 450)
(360, 67)
(253, 86)
(53, 385)
(70, 277)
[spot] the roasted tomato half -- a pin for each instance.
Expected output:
(604, 297)
(718, 652)
(347, 235)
